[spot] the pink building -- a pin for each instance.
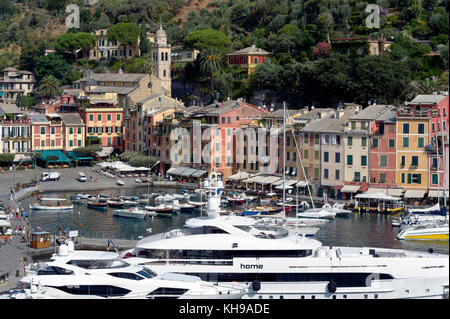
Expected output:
(436, 108)
(382, 159)
(222, 119)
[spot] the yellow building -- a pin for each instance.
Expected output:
(412, 159)
(105, 49)
(74, 131)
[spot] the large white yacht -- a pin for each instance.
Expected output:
(96, 274)
(289, 266)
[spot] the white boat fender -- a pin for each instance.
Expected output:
(256, 285)
(331, 286)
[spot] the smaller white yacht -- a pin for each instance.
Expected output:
(51, 204)
(317, 213)
(430, 231)
(97, 274)
(130, 213)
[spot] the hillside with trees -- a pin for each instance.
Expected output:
(300, 34)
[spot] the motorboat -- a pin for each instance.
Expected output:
(115, 203)
(337, 208)
(51, 204)
(167, 198)
(268, 199)
(261, 210)
(317, 213)
(130, 213)
(288, 266)
(85, 274)
(182, 207)
(161, 210)
(77, 200)
(97, 204)
(430, 231)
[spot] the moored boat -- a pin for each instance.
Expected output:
(51, 204)
(130, 213)
(97, 204)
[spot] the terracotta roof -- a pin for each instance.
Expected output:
(71, 118)
(253, 50)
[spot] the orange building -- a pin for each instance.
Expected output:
(103, 120)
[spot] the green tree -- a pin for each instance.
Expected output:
(210, 62)
(209, 38)
(144, 43)
(382, 79)
(74, 42)
(142, 161)
(426, 86)
(49, 87)
(52, 64)
(125, 33)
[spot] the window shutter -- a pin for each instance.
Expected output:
(409, 178)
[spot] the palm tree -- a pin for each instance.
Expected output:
(210, 62)
(426, 86)
(49, 87)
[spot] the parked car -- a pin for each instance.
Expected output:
(81, 177)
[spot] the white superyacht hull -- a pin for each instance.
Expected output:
(367, 277)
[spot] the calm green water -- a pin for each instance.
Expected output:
(374, 230)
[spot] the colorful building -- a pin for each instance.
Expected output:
(74, 131)
(46, 132)
(357, 147)
(382, 155)
(105, 49)
(437, 109)
(103, 120)
(14, 83)
(412, 158)
(247, 58)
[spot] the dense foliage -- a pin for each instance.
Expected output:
(306, 60)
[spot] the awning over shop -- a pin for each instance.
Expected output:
(350, 188)
(302, 184)
(22, 158)
(268, 180)
(395, 192)
(414, 193)
(186, 171)
(240, 176)
(374, 190)
(198, 173)
(79, 156)
(52, 156)
(435, 193)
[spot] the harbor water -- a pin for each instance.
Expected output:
(356, 230)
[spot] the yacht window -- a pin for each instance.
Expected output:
(98, 264)
(97, 290)
(147, 273)
(53, 270)
(341, 279)
(126, 275)
(168, 292)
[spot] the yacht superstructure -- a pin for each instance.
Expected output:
(95, 274)
(288, 266)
